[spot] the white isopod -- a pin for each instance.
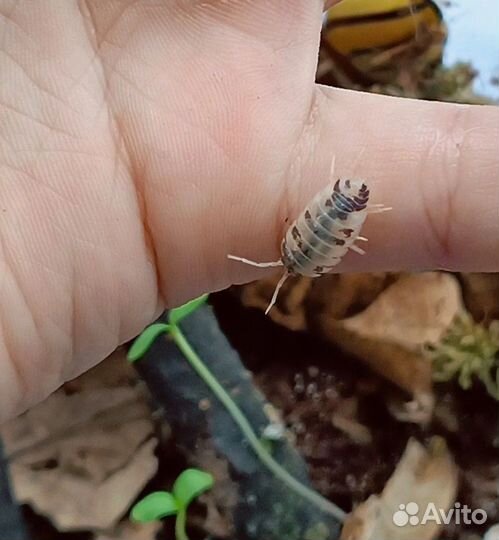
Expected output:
(323, 233)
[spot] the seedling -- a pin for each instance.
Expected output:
(175, 316)
(188, 486)
(142, 344)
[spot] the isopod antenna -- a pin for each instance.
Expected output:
(272, 264)
(280, 283)
(254, 263)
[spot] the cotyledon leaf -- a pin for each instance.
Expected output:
(190, 484)
(177, 314)
(142, 344)
(154, 506)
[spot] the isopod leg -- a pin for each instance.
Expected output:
(357, 249)
(284, 277)
(378, 208)
(333, 164)
(254, 263)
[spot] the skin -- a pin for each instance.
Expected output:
(141, 141)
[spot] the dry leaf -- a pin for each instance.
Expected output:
(337, 296)
(289, 310)
(127, 530)
(302, 299)
(81, 459)
(422, 477)
(389, 334)
(481, 295)
(61, 415)
(389, 317)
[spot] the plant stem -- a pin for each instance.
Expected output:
(180, 523)
(246, 428)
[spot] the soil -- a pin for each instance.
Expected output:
(315, 386)
(341, 417)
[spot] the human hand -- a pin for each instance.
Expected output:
(141, 141)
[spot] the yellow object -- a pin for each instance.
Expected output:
(358, 26)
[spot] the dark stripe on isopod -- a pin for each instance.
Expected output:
(347, 232)
(320, 235)
(343, 203)
(336, 213)
(287, 258)
(296, 235)
(322, 232)
(360, 200)
(331, 219)
(291, 260)
(360, 204)
(304, 259)
(315, 239)
(340, 196)
(315, 243)
(323, 258)
(320, 228)
(347, 202)
(304, 262)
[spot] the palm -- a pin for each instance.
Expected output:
(213, 101)
(135, 134)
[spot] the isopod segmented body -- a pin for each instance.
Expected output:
(323, 233)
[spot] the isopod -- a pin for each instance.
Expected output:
(323, 233)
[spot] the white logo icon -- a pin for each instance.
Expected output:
(409, 515)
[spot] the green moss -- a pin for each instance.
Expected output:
(468, 352)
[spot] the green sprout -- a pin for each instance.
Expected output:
(467, 352)
(189, 485)
(144, 342)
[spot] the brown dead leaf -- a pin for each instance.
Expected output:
(481, 295)
(390, 333)
(384, 319)
(337, 296)
(81, 459)
(302, 299)
(422, 477)
(417, 309)
(289, 310)
(75, 502)
(126, 530)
